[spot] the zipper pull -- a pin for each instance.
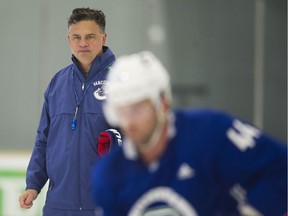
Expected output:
(83, 86)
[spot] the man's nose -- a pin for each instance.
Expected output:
(83, 42)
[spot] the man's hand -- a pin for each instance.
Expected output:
(27, 198)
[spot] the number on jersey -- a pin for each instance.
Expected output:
(242, 135)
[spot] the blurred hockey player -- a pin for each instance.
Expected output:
(183, 162)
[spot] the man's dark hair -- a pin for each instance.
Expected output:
(82, 14)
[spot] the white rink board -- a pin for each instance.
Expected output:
(12, 183)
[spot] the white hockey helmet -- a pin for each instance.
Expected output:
(134, 78)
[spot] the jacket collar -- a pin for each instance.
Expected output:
(99, 64)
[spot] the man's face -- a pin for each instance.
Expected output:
(86, 41)
(138, 122)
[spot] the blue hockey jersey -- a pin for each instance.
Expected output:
(214, 165)
(63, 154)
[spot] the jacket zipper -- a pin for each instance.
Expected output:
(78, 150)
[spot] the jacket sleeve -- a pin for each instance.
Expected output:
(36, 175)
(256, 163)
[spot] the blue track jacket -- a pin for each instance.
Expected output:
(66, 156)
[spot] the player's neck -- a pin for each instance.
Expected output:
(155, 152)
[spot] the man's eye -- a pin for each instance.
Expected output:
(91, 37)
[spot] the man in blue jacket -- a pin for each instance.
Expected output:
(71, 122)
(183, 162)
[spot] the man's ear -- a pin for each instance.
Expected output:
(165, 102)
(68, 38)
(104, 37)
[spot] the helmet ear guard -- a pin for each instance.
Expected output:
(133, 79)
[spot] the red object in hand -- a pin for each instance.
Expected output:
(104, 143)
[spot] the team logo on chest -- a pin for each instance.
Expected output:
(162, 201)
(99, 93)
